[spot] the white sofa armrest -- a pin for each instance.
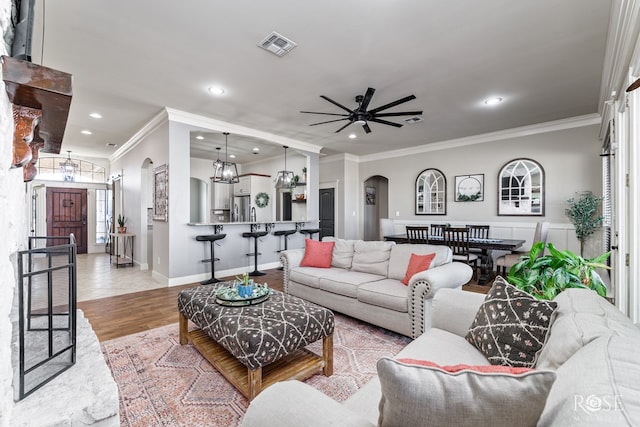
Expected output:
(290, 258)
(454, 311)
(295, 404)
(424, 285)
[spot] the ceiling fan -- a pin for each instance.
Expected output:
(361, 116)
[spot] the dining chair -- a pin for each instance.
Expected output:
(457, 238)
(436, 229)
(478, 232)
(505, 262)
(418, 234)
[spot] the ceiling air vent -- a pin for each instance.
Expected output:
(414, 119)
(277, 44)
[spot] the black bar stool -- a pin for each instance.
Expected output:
(286, 234)
(255, 234)
(211, 238)
(310, 232)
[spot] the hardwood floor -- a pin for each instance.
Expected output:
(121, 315)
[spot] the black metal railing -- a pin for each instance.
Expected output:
(47, 323)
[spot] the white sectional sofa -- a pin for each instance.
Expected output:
(591, 351)
(364, 281)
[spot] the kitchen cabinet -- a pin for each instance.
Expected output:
(220, 196)
(252, 184)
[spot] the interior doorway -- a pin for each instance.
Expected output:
(327, 212)
(146, 215)
(376, 206)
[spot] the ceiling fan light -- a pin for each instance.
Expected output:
(360, 122)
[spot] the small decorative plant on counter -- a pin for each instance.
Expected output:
(546, 276)
(122, 220)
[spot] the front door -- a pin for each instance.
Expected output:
(327, 214)
(67, 214)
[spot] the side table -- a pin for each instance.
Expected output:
(126, 259)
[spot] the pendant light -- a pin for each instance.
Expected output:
(217, 165)
(225, 172)
(68, 168)
(285, 177)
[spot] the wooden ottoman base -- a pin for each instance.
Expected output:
(299, 365)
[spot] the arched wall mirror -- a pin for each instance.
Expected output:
(521, 188)
(431, 193)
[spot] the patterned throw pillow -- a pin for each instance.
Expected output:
(511, 326)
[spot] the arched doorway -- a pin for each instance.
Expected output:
(375, 205)
(146, 217)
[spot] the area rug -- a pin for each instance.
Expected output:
(162, 383)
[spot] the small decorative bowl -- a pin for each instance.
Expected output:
(299, 196)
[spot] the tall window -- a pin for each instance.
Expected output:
(521, 188)
(103, 215)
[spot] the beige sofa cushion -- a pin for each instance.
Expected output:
(372, 257)
(345, 282)
(400, 255)
(415, 395)
(444, 348)
(310, 276)
(582, 316)
(599, 385)
(387, 293)
(342, 252)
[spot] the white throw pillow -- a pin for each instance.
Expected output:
(342, 252)
(371, 257)
(416, 395)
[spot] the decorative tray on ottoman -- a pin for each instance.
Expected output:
(229, 296)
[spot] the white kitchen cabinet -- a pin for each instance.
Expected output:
(220, 196)
(243, 187)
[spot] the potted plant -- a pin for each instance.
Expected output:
(546, 276)
(304, 173)
(582, 212)
(122, 220)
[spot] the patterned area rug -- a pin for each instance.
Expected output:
(162, 383)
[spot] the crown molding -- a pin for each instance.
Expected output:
(218, 125)
(573, 122)
(158, 120)
(340, 158)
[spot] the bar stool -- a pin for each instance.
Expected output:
(211, 238)
(286, 234)
(310, 232)
(255, 234)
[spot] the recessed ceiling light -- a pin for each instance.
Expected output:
(216, 90)
(86, 132)
(232, 156)
(95, 115)
(493, 101)
(352, 136)
(199, 137)
(256, 149)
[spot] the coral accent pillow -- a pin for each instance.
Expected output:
(487, 369)
(317, 254)
(417, 263)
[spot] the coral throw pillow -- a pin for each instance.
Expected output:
(417, 263)
(487, 369)
(317, 254)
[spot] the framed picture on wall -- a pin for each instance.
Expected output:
(370, 195)
(161, 193)
(470, 188)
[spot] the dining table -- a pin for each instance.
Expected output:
(486, 246)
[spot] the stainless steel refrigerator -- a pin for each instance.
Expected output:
(241, 208)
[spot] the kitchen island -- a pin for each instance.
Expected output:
(234, 249)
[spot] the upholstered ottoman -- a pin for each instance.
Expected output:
(257, 345)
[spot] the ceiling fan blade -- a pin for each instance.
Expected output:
(330, 121)
(404, 113)
(393, 104)
(343, 127)
(366, 128)
(367, 98)
(384, 122)
(336, 104)
(326, 114)
(635, 85)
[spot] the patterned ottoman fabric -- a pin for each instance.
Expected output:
(260, 334)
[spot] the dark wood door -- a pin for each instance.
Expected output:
(66, 214)
(327, 214)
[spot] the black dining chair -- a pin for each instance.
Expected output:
(436, 229)
(478, 232)
(457, 238)
(418, 234)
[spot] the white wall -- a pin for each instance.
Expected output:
(570, 159)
